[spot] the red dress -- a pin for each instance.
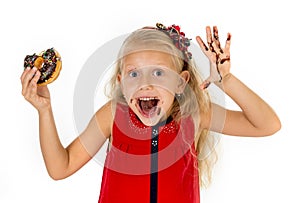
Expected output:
(156, 164)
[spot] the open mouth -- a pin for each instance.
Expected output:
(148, 106)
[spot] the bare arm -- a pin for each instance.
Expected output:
(256, 117)
(62, 162)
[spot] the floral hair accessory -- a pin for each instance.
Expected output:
(178, 37)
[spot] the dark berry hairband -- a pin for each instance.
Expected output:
(179, 39)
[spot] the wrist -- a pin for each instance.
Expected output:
(225, 80)
(45, 110)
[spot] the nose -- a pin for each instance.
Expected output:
(146, 87)
(145, 83)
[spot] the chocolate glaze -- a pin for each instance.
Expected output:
(229, 37)
(47, 67)
(29, 60)
(224, 59)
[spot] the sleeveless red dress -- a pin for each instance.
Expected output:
(156, 164)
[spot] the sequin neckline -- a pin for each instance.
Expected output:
(168, 125)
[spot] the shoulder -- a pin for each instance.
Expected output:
(104, 117)
(105, 109)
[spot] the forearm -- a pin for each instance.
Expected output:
(254, 108)
(54, 154)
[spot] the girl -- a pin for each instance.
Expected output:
(157, 119)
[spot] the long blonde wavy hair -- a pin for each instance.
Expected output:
(193, 96)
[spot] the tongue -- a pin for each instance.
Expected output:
(146, 106)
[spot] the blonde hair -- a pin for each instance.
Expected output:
(152, 39)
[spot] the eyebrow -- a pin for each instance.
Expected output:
(159, 64)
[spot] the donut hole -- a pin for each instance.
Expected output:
(39, 62)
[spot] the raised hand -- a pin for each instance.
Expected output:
(38, 96)
(219, 57)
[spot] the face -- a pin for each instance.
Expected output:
(149, 82)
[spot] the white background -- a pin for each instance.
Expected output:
(265, 55)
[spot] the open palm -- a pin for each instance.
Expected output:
(219, 57)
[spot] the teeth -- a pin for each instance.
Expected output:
(146, 98)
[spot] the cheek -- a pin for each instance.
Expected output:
(128, 92)
(126, 89)
(167, 98)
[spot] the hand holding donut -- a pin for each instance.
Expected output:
(219, 57)
(39, 71)
(38, 96)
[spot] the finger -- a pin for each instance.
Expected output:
(227, 44)
(24, 73)
(205, 84)
(208, 34)
(32, 88)
(36, 77)
(27, 78)
(215, 33)
(201, 44)
(209, 37)
(216, 39)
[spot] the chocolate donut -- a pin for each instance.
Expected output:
(47, 62)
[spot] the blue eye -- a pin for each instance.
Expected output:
(133, 74)
(158, 72)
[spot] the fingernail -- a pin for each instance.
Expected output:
(34, 68)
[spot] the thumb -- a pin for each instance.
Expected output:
(206, 83)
